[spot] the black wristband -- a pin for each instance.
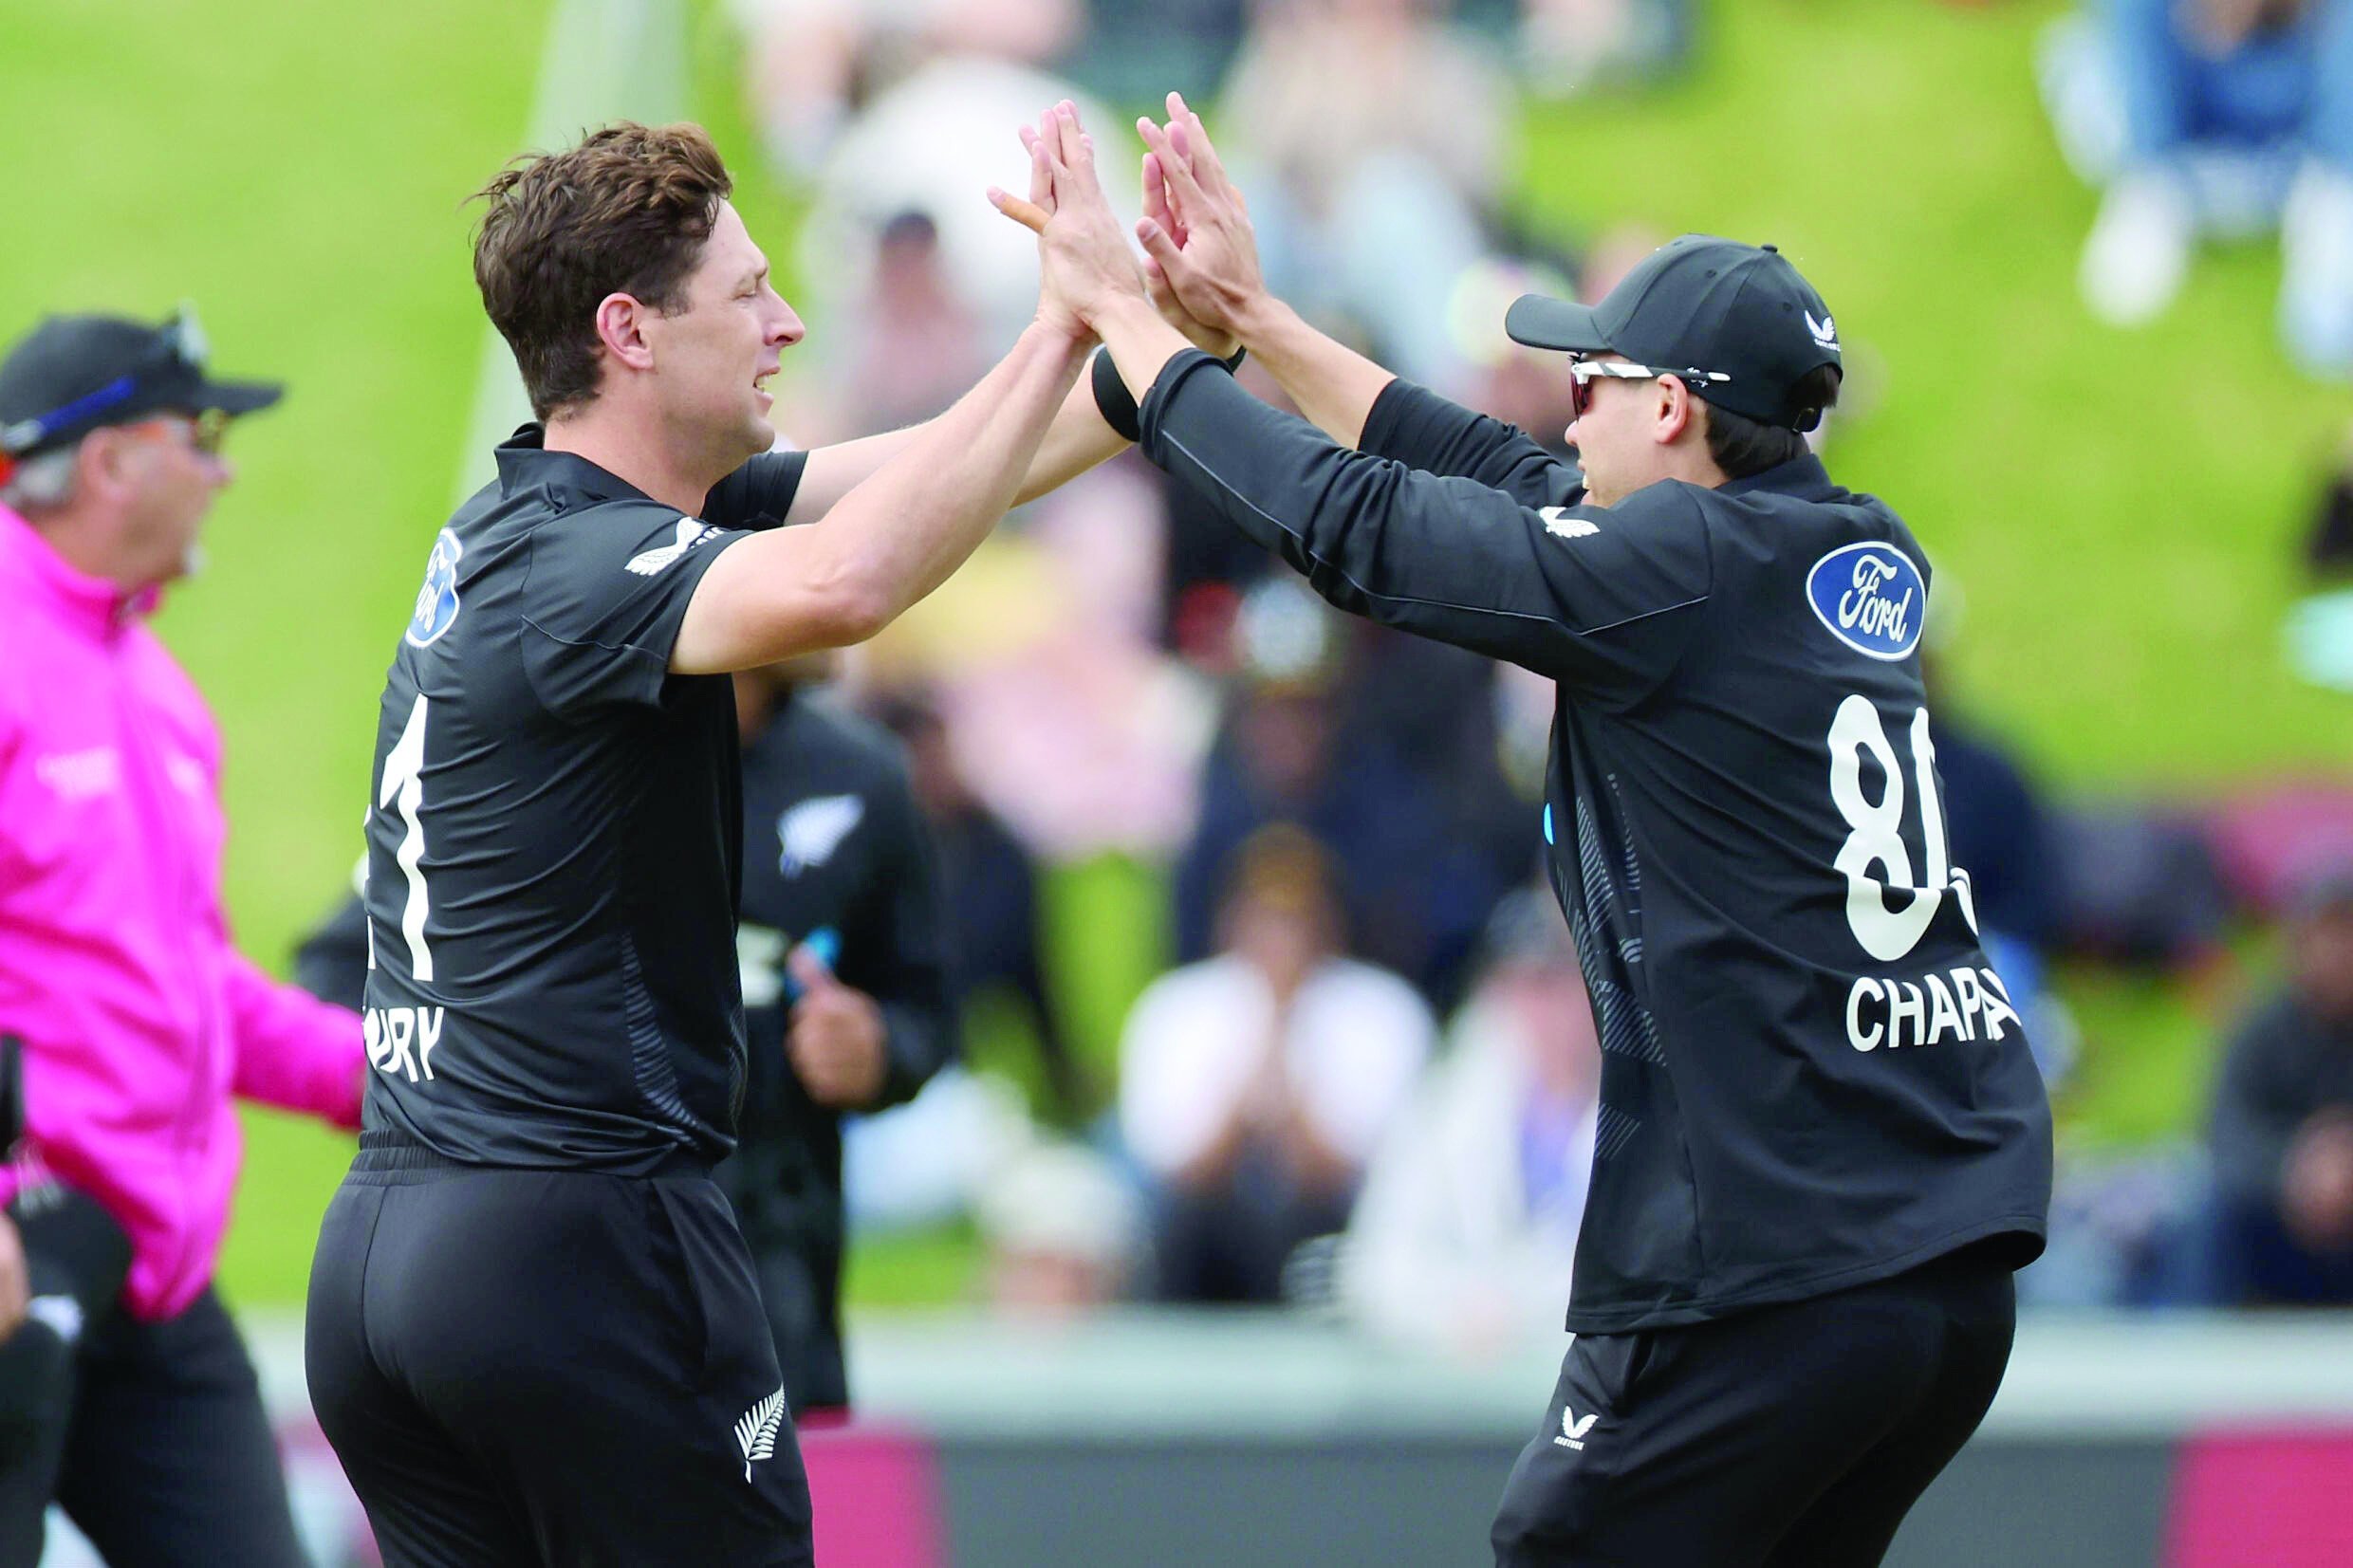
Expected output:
(1113, 399)
(1118, 407)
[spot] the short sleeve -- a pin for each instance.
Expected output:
(606, 591)
(759, 494)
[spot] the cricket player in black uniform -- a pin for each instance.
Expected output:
(1823, 1147)
(534, 1332)
(847, 1007)
(845, 991)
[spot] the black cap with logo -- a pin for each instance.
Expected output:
(73, 374)
(1736, 320)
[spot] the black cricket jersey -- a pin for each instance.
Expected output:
(1811, 1076)
(554, 833)
(836, 855)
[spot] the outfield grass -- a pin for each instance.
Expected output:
(2120, 508)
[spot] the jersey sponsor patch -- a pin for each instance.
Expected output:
(1871, 598)
(1561, 526)
(692, 532)
(437, 601)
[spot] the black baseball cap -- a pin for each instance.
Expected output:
(1704, 307)
(72, 374)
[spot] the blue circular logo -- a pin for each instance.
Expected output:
(437, 601)
(1871, 598)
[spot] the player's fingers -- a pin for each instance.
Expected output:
(1207, 166)
(1161, 292)
(1177, 167)
(1070, 150)
(809, 971)
(1028, 213)
(1156, 199)
(1041, 173)
(1176, 189)
(1159, 249)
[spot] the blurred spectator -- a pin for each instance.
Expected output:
(1569, 46)
(930, 142)
(2282, 1133)
(1379, 135)
(2222, 117)
(1997, 828)
(1065, 1234)
(2320, 627)
(1413, 889)
(2141, 887)
(812, 64)
(1254, 1084)
(1134, 50)
(988, 888)
(911, 342)
(846, 1005)
(1467, 1229)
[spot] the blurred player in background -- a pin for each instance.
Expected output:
(534, 1332)
(1822, 1146)
(845, 991)
(126, 1392)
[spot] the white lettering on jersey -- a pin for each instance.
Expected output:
(1961, 1004)
(391, 1033)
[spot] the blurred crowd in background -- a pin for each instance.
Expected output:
(1365, 1082)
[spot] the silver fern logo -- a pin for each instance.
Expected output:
(692, 532)
(755, 1430)
(809, 833)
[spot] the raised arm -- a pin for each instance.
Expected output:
(1199, 246)
(1075, 440)
(899, 531)
(1078, 439)
(1214, 275)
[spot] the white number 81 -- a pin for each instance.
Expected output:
(1876, 836)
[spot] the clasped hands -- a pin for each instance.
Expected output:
(1199, 269)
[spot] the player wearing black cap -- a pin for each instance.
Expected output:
(1823, 1145)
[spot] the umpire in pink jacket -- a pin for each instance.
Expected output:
(125, 1393)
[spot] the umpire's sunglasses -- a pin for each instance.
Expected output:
(1581, 373)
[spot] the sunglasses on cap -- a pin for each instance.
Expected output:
(1584, 372)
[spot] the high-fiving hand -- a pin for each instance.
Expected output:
(1084, 261)
(1199, 248)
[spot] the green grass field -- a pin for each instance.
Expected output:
(2121, 509)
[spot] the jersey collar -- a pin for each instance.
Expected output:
(1802, 478)
(525, 462)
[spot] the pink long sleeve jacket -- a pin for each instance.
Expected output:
(140, 1020)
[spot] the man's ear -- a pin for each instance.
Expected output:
(621, 327)
(1677, 411)
(102, 462)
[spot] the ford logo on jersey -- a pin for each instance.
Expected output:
(437, 601)
(1871, 598)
